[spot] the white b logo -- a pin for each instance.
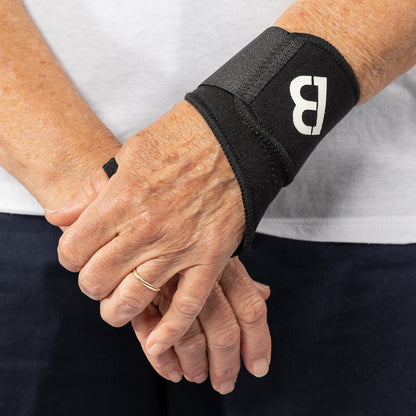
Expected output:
(303, 105)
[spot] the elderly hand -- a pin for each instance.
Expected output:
(173, 208)
(233, 320)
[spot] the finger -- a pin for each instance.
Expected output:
(250, 309)
(193, 290)
(264, 290)
(223, 339)
(95, 227)
(112, 263)
(131, 296)
(68, 212)
(78, 244)
(102, 221)
(166, 364)
(191, 348)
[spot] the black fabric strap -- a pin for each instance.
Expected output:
(270, 106)
(110, 168)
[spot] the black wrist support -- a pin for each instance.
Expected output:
(269, 107)
(110, 167)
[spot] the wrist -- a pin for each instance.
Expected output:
(358, 31)
(255, 107)
(64, 174)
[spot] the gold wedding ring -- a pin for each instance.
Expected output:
(147, 284)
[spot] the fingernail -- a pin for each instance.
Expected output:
(261, 367)
(175, 376)
(201, 378)
(157, 349)
(59, 207)
(226, 387)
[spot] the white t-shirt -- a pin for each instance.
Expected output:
(132, 60)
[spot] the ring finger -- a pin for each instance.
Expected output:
(131, 296)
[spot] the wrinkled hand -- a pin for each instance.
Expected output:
(173, 208)
(233, 321)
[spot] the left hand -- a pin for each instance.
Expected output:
(173, 208)
(232, 321)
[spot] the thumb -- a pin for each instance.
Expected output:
(68, 212)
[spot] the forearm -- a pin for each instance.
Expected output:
(50, 140)
(377, 38)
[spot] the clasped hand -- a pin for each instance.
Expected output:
(173, 211)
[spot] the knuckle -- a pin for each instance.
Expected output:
(90, 288)
(129, 304)
(227, 373)
(68, 255)
(191, 344)
(150, 226)
(252, 310)
(173, 332)
(164, 365)
(226, 340)
(92, 280)
(111, 318)
(187, 307)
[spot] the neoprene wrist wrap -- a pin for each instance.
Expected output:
(269, 107)
(110, 168)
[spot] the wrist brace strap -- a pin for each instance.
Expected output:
(269, 107)
(110, 167)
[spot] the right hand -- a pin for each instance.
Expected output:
(173, 207)
(233, 320)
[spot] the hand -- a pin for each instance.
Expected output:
(234, 318)
(173, 208)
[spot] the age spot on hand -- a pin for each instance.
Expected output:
(188, 166)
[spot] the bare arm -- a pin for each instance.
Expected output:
(50, 140)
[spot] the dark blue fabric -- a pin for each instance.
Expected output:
(342, 318)
(57, 357)
(343, 323)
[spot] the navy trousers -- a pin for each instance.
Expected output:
(342, 317)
